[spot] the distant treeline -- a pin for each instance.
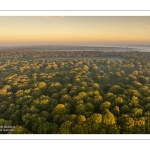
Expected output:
(32, 53)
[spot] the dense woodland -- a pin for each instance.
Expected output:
(75, 92)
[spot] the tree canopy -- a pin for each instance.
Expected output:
(70, 92)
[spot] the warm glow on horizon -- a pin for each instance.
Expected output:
(75, 30)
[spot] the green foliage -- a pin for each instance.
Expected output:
(43, 93)
(60, 109)
(80, 109)
(104, 106)
(137, 112)
(19, 130)
(108, 118)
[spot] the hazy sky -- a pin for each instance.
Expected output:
(84, 30)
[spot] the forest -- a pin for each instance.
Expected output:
(74, 92)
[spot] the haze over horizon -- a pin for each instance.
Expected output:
(75, 30)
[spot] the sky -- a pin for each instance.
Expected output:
(75, 30)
